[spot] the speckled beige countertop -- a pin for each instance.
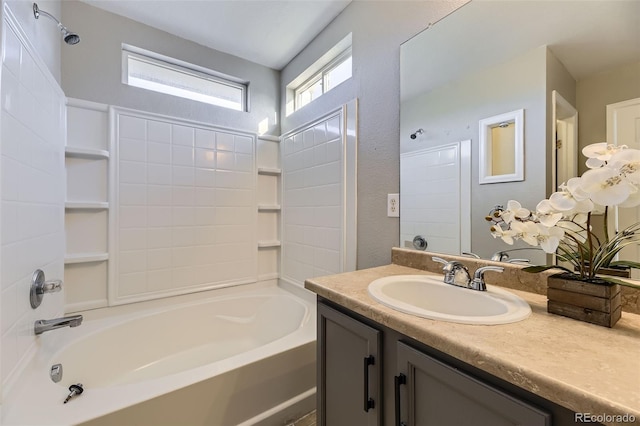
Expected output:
(583, 367)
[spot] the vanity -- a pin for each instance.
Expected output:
(380, 366)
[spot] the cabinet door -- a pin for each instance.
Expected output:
(430, 393)
(349, 370)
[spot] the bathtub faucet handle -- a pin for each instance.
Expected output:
(74, 390)
(40, 287)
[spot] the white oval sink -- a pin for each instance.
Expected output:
(430, 297)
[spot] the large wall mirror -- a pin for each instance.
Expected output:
(561, 62)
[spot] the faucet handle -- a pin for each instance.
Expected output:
(477, 283)
(470, 254)
(518, 261)
(439, 260)
(40, 287)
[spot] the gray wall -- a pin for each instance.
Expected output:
(594, 93)
(91, 70)
(378, 29)
(451, 113)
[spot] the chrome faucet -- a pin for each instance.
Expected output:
(455, 273)
(503, 256)
(477, 283)
(46, 325)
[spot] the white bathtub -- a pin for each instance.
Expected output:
(239, 356)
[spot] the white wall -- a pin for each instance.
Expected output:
(91, 70)
(378, 29)
(43, 33)
(32, 139)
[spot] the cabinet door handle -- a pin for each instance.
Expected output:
(368, 402)
(397, 381)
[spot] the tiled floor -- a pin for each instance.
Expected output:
(307, 420)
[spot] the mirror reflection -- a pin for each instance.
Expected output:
(489, 57)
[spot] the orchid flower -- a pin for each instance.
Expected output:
(562, 223)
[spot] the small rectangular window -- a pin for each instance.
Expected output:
(330, 76)
(173, 77)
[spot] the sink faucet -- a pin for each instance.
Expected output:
(45, 325)
(477, 283)
(455, 273)
(503, 256)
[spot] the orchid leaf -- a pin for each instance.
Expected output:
(540, 268)
(627, 263)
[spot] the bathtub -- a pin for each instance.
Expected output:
(242, 356)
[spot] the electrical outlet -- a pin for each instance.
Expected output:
(393, 205)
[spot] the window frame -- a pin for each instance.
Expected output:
(321, 75)
(193, 70)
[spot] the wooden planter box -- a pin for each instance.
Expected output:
(585, 301)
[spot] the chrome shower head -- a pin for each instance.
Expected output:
(68, 36)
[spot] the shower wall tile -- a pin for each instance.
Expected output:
(186, 207)
(32, 123)
(312, 202)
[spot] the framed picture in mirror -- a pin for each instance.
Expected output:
(501, 148)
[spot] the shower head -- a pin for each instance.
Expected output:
(68, 36)
(416, 133)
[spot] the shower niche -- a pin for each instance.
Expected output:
(86, 206)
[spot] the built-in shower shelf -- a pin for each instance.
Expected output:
(85, 258)
(86, 205)
(268, 207)
(72, 151)
(269, 171)
(268, 244)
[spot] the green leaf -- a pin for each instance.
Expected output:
(540, 268)
(621, 282)
(627, 263)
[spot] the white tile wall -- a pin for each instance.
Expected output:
(313, 201)
(430, 202)
(32, 139)
(186, 207)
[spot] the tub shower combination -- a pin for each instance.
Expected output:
(235, 356)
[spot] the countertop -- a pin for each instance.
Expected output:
(583, 367)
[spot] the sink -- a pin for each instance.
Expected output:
(429, 297)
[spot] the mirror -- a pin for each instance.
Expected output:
(489, 57)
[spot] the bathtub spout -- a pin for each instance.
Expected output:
(45, 325)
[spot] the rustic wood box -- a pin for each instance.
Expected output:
(585, 301)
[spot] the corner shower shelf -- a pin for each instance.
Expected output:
(268, 207)
(268, 244)
(86, 205)
(269, 171)
(88, 153)
(86, 258)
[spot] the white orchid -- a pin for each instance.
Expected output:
(562, 223)
(599, 153)
(549, 237)
(514, 211)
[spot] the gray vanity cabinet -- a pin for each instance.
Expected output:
(349, 370)
(372, 375)
(430, 393)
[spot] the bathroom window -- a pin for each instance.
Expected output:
(330, 70)
(159, 73)
(324, 80)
